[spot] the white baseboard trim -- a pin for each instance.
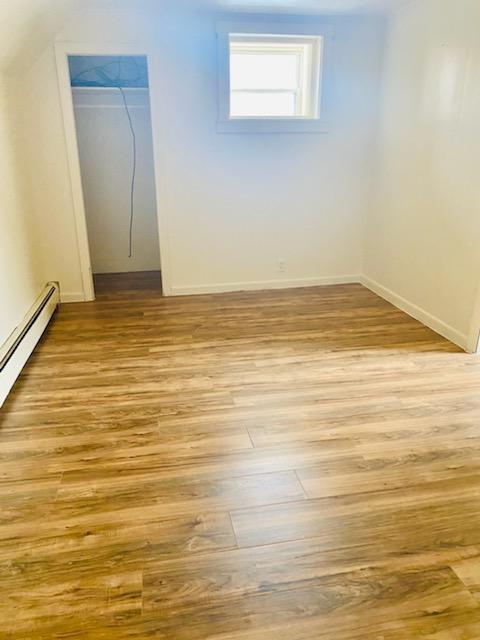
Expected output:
(262, 285)
(65, 298)
(426, 318)
(15, 352)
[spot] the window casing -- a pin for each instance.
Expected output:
(273, 78)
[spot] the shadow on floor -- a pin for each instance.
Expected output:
(134, 281)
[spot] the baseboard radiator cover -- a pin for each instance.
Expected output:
(15, 352)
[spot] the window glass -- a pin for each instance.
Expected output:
(263, 70)
(274, 104)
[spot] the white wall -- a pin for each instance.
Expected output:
(253, 200)
(21, 279)
(105, 145)
(236, 204)
(422, 238)
(50, 187)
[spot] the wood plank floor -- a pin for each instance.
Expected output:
(273, 465)
(131, 281)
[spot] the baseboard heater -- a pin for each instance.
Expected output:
(20, 345)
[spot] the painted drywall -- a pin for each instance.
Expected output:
(50, 186)
(257, 200)
(105, 145)
(26, 25)
(237, 205)
(423, 232)
(21, 278)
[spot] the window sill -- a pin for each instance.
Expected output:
(272, 125)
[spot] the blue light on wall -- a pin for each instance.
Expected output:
(109, 71)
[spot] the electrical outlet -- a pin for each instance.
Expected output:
(281, 266)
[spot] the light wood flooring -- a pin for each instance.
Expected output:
(287, 465)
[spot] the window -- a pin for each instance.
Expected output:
(273, 77)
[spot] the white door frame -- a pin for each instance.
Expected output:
(63, 50)
(473, 345)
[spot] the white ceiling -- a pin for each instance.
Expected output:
(311, 6)
(291, 6)
(29, 24)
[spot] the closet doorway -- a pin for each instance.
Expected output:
(112, 160)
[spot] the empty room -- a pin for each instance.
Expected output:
(240, 319)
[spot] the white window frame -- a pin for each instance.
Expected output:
(315, 117)
(308, 51)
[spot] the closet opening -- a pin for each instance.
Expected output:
(111, 105)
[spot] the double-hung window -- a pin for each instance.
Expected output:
(274, 77)
(271, 81)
